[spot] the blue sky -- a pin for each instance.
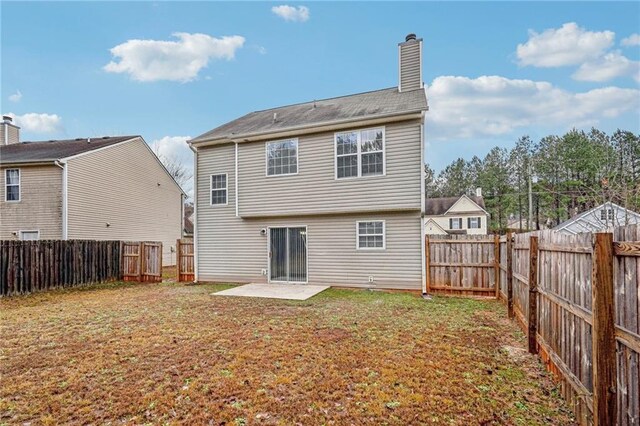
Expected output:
(577, 65)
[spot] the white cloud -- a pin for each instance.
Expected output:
(568, 45)
(461, 107)
(38, 123)
(181, 60)
(292, 13)
(16, 97)
(176, 149)
(607, 67)
(632, 40)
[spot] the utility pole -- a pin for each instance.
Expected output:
(530, 196)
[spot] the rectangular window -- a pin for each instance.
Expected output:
(455, 223)
(12, 185)
(282, 157)
(219, 189)
(606, 213)
(360, 153)
(474, 222)
(370, 235)
(29, 235)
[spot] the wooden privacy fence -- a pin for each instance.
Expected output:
(185, 266)
(577, 298)
(30, 266)
(462, 264)
(142, 261)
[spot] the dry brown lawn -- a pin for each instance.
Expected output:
(174, 354)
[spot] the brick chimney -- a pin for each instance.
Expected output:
(9, 133)
(410, 64)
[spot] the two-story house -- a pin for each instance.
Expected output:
(323, 192)
(602, 218)
(456, 215)
(108, 188)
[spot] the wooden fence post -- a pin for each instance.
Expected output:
(533, 294)
(496, 263)
(178, 260)
(510, 274)
(427, 264)
(140, 261)
(604, 329)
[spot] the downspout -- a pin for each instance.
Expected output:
(65, 200)
(195, 212)
(237, 197)
(422, 202)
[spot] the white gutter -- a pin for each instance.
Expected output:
(65, 199)
(422, 212)
(310, 128)
(237, 196)
(195, 212)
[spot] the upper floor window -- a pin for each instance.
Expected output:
(455, 223)
(606, 214)
(360, 153)
(474, 222)
(219, 189)
(282, 157)
(12, 185)
(370, 235)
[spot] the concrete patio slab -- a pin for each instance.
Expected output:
(274, 291)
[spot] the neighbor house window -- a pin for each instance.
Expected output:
(473, 222)
(219, 189)
(455, 223)
(29, 235)
(282, 157)
(606, 214)
(360, 153)
(12, 185)
(370, 235)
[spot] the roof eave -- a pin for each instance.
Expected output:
(46, 162)
(310, 128)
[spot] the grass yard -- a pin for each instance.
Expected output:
(174, 354)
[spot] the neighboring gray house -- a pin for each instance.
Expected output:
(324, 192)
(109, 188)
(601, 218)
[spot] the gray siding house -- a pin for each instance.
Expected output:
(602, 218)
(109, 188)
(323, 192)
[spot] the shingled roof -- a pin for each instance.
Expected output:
(49, 151)
(385, 102)
(439, 206)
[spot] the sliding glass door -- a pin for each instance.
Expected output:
(288, 254)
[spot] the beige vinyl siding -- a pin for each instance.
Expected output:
(12, 134)
(233, 249)
(125, 186)
(410, 77)
(40, 205)
(315, 190)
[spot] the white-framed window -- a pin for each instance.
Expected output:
(606, 214)
(370, 235)
(219, 189)
(474, 222)
(282, 157)
(29, 235)
(455, 223)
(12, 185)
(360, 153)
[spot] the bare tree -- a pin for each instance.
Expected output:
(177, 170)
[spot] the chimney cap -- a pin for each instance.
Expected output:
(410, 36)
(7, 119)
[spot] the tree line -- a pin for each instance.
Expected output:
(569, 174)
